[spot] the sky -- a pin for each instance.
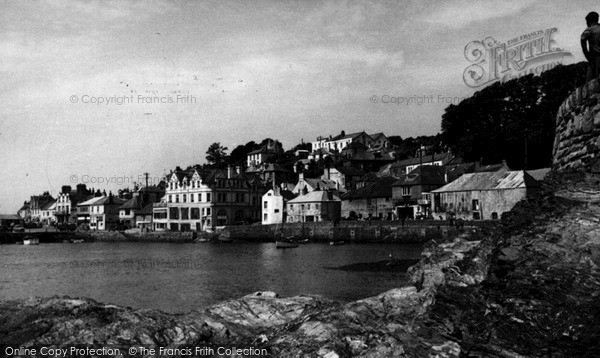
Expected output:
(76, 77)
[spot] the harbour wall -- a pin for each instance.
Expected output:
(577, 138)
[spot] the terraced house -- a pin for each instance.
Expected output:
(197, 199)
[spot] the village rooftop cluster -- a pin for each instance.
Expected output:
(362, 178)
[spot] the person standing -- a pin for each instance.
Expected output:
(590, 44)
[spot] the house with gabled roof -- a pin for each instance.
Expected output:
(102, 212)
(314, 206)
(198, 199)
(373, 200)
(483, 195)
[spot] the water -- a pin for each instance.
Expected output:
(181, 277)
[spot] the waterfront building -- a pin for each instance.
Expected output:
(101, 213)
(140, 199)
(24, 212)
(411, 194)
(48, 211)
(483, 195)
(7, 221)
(274, 205)
(67, 200)
(370, 201)
(198, 199)
(36, 203)
(143, 218)
(314, 206)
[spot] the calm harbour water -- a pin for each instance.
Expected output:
(181, 277)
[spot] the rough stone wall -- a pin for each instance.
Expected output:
(577, 138)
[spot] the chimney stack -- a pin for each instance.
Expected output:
(238, 169)
(229, 172)
(65, 189)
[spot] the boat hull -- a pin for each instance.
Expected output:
(31, 241)
(285, 245)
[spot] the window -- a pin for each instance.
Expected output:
(265, 217)
(177, 198)
(184, 198)
(265, 204)
(208, 197)
(185, 213)
(494, 216)
(405, 190)
(207, 211)
(192, 198)
(195, 213)
(170, 198)
(174, 213)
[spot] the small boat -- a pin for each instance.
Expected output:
(340, 242)
(30, 240)
(77, 241)
(287, 243)
(305, 241)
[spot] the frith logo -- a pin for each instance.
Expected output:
(492, 61)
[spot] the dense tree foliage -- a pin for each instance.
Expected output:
(513, 120)
(216, 155)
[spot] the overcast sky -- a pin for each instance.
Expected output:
(288, 70)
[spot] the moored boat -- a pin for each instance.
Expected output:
(30, 240)
(287, 243)
(339, 242)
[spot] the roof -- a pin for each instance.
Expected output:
(10, 217)
(379, 189)
(501, 179)
(48, 205)
(424, 175)
(538, 174)
(424, 159)
(321, 183)
(146, 210)
(350, 171)
(315, 196)
(102, 200)
(347, 136)
(133, 203)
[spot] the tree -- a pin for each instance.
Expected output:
(513, 120)
(216, 155)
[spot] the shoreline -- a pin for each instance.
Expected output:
(536, 274)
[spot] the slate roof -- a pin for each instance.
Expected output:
(146, 210)
(501, 179)
(314, 196)
(538, 174)
(103, 200)
(424, 175)
(382, 188)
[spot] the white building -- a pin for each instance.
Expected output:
(274, 205)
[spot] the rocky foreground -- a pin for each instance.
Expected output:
(529, 288)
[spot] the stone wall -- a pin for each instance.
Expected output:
(577, 139)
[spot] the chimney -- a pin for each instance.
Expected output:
(343, 133)
(504, 165)
(300, 177)
(229, 172)
(65, 189)
(238, 169)
(81, 189)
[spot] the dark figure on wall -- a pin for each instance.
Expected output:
(590, 44)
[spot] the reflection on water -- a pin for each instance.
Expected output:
(181, 277)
